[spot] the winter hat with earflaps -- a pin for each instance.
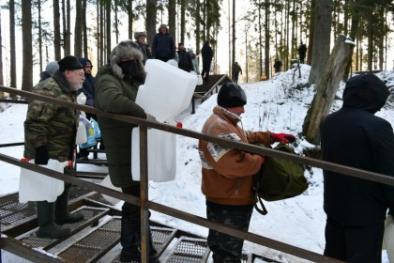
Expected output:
(124, 51)
(231, 95)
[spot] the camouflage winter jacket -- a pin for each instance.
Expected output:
(50, 124)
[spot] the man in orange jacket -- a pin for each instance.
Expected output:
(228, 173)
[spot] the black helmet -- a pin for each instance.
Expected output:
(231, 95)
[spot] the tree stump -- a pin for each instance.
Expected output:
(326, 88)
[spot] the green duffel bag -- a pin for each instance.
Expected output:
(278, 179)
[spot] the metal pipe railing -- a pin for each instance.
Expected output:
(144, 202)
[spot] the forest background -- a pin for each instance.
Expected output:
(252, 32)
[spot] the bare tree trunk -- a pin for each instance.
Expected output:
(64, 21)
(267, 39)
(321, 42)
(234, 39)
(56, 29)
(77, 30)
(116, 22)
(311, 33)
(130, 17)
(151, 13)
(108, 21)
(260, 45)
(85, 29)
(198, 22)
(27, 71)
(1, 59)
(172, 18)
(39, 34)
(370, 42)
(183, 20)
(382, 19)
(12, 45)
(326, 89)
(67, 39)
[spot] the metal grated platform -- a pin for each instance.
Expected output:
(91, 214)
(94, 245)
(191, 250)
(12, 212)
(161, 236)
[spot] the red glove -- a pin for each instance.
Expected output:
(70, 164)
(282, 137)
(25, 160)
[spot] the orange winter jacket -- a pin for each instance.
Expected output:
(227, 174)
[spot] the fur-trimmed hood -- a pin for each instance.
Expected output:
(125, 50)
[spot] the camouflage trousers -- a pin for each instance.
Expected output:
(225, 248)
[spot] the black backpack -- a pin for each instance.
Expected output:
(278, 179)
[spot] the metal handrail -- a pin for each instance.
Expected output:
(144, 202)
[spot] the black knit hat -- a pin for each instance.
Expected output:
(69, 63)
(231, 95)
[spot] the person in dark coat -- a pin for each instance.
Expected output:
(49, 71)
(278, 65)
(236, 70)
(116, 90)
(140, 39)
(163, 45)
(354, 136)
(184, 58)
(207, 55)
(302, 52)
(88, 91)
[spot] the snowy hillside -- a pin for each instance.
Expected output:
(278, 105)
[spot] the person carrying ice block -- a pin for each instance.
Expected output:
(116, 89)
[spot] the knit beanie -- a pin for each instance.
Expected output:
(231, 95)
(69, 63)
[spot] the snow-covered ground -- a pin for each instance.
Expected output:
(278, 105)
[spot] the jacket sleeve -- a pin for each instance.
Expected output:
(383, 150)
(232, 162)
(39, 114)
(172, 46)
(259, 138)
(111, 99)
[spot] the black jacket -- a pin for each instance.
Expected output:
(185, 61)
(207, 53)
(354, 136)
(163, 47)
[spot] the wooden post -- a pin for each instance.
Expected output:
(326, 88)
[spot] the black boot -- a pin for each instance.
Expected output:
(130, 231)
(47, 227)
(61, 212)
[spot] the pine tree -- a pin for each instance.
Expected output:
(27, 70)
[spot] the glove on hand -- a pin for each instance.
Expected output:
(42, 155)
(282, 137)
(25, 160)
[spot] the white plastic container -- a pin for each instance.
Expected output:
(34, 186)
(167, 90)
(161, 155)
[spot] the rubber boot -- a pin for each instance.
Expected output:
(46, 222)
(130, 231)
(61, 212)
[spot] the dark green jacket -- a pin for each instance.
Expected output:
(49, 124)
(114, 95)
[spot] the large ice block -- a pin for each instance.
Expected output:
(167, 90)
(161, 155)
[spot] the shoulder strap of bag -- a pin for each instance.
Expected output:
(261, 210)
